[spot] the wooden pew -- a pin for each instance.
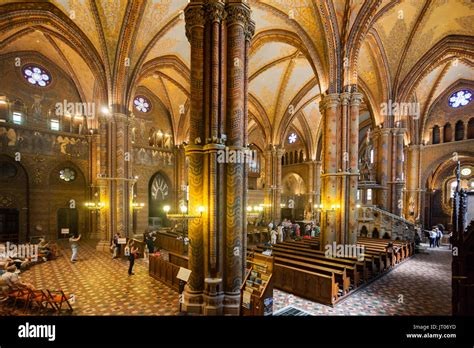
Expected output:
(373, 261)
(340, 276)
(351, 269)
(314, 286)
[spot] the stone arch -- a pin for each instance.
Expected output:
(15, 198)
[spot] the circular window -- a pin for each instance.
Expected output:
(7, 170)
(142, 104)
(292, 138)
(460, 98)
(466, 171)
(67, 174)
(36, 76)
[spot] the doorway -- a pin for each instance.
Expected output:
(67, 222)
(9, 225)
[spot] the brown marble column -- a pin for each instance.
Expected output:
(220, 35)
(353, 170)
(330, 106)
(412, 201)
(105, 186)
(399, 181)
(383, 167)
(273, 183)
(122, 175)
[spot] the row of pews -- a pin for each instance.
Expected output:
(303, 269)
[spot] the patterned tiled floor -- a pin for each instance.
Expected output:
(102, 286)
(419, 286)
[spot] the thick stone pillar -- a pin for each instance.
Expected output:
(383, 166)
(122, 174)
(273, 184)
(413, 192)
(330, 106)
(340, 167)
(399, 181)
(353, 170)
(94, 193)
(105, 186)
(219, 34)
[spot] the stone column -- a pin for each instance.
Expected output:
(105, 186)
(273, 188)
(399, 180)
(220, 36)
(329, 110)
(383, 167)
(268, 191)
(353, 175)
(195, 21)
(94, 160)
(441, 134)
(412, 201)
(122, 175)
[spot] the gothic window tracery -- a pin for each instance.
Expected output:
(36, 75)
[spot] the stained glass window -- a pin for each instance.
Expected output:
(460, 98)
(142, 104)
(292, 138)
(36, 76)
(67, 174)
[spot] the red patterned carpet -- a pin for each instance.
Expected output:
(419, 286)
(102, 286)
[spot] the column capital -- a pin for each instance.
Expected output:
(345, 98)
(195, 16)
(329, 101)
(215, 11)
(238, 13)
(249, 29)
(356, 99)
(105, 118)
(118, 117)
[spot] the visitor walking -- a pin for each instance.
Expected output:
(439, 234)
(433, 235)
(116, 245)
(133, 255)
(280, 233)
(74, 240)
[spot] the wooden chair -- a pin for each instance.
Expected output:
(20, 295)
(38, 298)
(57, 299)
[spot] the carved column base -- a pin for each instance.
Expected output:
(192, 302)
(232, 304)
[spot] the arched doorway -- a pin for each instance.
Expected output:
(363, 231)
(67, 222)
(293, 198)
(375, 233)
(14, 201)
(159, 195)
(67, 188)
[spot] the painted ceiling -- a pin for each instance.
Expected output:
(283, 74)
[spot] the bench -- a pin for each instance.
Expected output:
(314, 286)
(350, 266)
(373, 263)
